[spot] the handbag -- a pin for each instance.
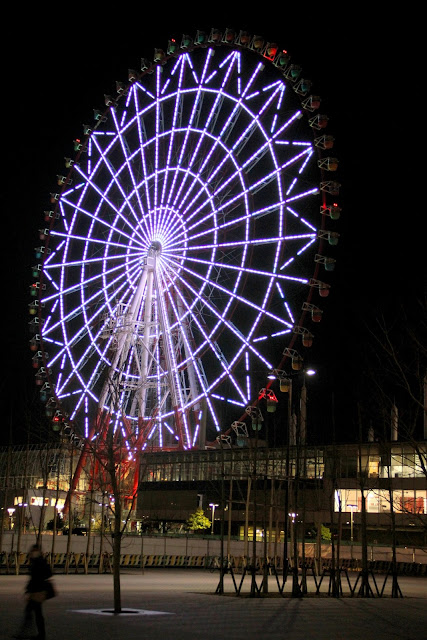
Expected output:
(37, 596)
(50, 590)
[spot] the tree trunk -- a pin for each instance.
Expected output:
(117, 543)
(365, 588)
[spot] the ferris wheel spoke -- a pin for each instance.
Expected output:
(174, 131)
(225, 366)
(232, 295)
(220, 316)
(136, 192)
(141, 150)
(158, 124)
(86, 282)
(75, 367)
(171, 362)
(104, 223)
(184, 332)
(242, 220)
(245, 136)
(106, 244)
(211, 120)
(194, 319)
(243, 193)
(243, 269)
(187, 174)
(77, 310)
(255, 123)
(253, 188)
(219, 165)
(92, 188)
(242, 243)
(67, 344)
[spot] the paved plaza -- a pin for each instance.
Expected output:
(181, 604)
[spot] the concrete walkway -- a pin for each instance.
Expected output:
(181, 604)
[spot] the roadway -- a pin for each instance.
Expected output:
(181, 604)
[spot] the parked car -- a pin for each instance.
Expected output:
(77, 531)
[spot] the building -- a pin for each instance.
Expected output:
(325, 485)
(321, 489)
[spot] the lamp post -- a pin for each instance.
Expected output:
(286, 385)
(296, 440)
(296, 589)
(351, 507)
(11, 511)
(303, 406)
(213, 506)
(58, 515)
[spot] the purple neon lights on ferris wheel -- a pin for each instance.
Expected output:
(179, 241)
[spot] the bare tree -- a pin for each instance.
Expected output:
(393, 392)
(110, 473)
(396, 368)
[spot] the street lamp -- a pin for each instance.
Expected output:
(351, 507)
(213, 506)
(11, 511)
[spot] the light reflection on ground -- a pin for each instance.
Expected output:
(127, 612)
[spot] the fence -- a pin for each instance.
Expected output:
(16, 562)
(187, 550)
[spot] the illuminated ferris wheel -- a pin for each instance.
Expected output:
(185, 244)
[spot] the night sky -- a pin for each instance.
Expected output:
(55, 77)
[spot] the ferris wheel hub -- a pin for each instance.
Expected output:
(155, 248)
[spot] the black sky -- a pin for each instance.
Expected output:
(54, 77)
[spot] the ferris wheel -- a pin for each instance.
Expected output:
(184, 246)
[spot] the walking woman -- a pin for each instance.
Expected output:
(36, 592)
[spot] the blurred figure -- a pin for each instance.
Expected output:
(36, 593)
